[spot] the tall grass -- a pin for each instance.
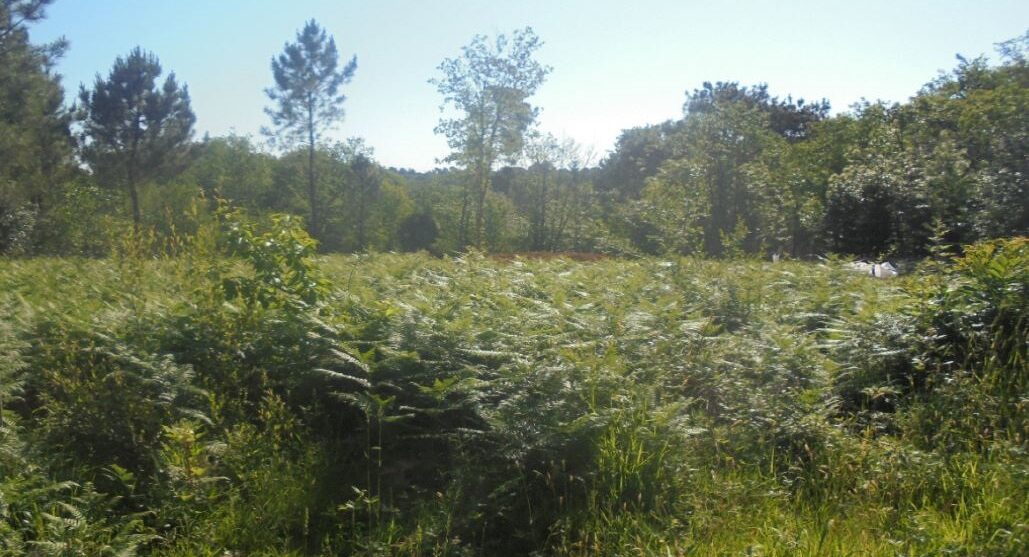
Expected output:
(238, 396)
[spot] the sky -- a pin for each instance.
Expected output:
(617, 64)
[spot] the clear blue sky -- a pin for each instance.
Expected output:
(617, 63)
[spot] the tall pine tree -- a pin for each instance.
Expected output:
(307, 99)
(35, 144)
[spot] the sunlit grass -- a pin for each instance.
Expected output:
(610, 407)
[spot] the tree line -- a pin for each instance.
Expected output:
(742, 171)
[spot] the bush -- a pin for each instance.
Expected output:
(974, 334)
(100, 402)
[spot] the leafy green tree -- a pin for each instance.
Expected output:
(723, 174)
(439, 193)
(307, 99)
(15, 15)
(950, 188)
(786, 117)
(551, 192)
(389, 205)
(790, 181)
(133, 130)
(232, 168)
(289, 192)
(542, 155)
(360, 202)
(365, 179)
(878, 204)
(970, 129)
(703, 199)
(417, 232)
(576, 209)
(638, 154)
(489, 86)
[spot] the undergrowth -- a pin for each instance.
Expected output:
(237, 396)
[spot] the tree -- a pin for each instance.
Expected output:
(35, 144)
(550, 191)
(879, 203)
(367, 181)
(703, 199)
(488, 85)
(541, 158)
(133, 131)
(637, 156)
(977, 118)
(787, 118)
(417, 232)
(232, 168)
(14, 14)
(307, 98)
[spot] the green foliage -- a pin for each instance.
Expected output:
(973, 322)
(489, 84)
(79, 223)
(232, 168)
(101, 404)
(869, 182)
(34, 139)
(716, 193)
(213, 388)
(39, 517)
(133, 130)
(418, 231)
(280, 259)
(16, 226)
(418, 406)
(982, 308)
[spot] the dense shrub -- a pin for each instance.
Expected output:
(245, 396)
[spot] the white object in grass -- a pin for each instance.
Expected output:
(878, 270)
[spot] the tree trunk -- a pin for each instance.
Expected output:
(315, 227)
(133, 172)
(565, 207)
(795, 240)
(137, 217)
(362, 192)
(462, 232)
(480, 208)
(486, 159)
(544, 194)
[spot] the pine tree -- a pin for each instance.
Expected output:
(307, 98)
(35, 142)
(133, 131)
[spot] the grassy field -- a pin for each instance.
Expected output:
(273, 404)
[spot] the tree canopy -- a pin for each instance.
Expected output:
(742, 170)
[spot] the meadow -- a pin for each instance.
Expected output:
(247, 397)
